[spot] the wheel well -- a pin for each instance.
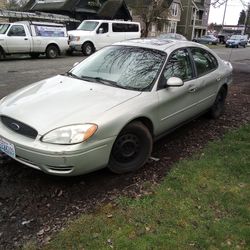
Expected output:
(54, 44)
(146, 122)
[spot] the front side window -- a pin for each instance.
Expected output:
(179, 65)
(122, 66)
(17, 30)
(88, 25)
(204, 61)
(104, 28)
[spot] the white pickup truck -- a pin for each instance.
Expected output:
(33, 38)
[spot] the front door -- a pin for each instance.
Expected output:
(18, 40)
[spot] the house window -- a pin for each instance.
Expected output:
(174, 9)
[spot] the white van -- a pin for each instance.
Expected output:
(93, 35)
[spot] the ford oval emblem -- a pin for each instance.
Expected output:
(15, 126)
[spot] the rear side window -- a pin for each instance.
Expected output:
(124, 27)
(50, 31)
(204, 61)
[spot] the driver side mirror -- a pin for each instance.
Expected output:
(75, 64)
(174, 82)
(100, 31)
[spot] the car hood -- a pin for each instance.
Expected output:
(79, 33)
(61, 101)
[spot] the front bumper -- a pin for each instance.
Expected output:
(75, 47)
(62, 160)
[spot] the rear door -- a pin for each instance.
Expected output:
(177, 104)
(118, 33)
(18, 39)
(208, 77)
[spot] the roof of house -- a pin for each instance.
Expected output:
(133, 3)
(111, 8)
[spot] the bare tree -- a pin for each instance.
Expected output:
(151, 11)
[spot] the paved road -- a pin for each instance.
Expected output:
(19, 72)
(16, 73)
(240, 58)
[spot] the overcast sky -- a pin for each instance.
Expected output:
(234, 7)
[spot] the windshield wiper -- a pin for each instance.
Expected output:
(72, 75)
(99, 80)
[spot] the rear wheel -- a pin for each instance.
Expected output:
(2, 55)
(52, 52)
(218, 106)
(87, 49)
(131, 149)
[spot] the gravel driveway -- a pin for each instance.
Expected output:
(34, 205)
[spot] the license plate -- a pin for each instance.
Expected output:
(7, 147)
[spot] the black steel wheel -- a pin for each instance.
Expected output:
(218, 106)
(131, 149)
(52, 52)
(88, 49)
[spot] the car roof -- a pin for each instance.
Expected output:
(159, 44)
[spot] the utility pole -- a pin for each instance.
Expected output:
(246, 19)
(224, 15)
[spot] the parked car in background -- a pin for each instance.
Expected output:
(92, 35)
(33, 38)
(207, 39)
(237, 40)
(108, 109)
(174, 36)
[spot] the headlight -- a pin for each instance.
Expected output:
(70, 134)
(75, 38)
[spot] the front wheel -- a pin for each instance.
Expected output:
(87, 49)
(219, 103)
(132, 148)
(52, 52)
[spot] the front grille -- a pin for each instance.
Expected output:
(19, 127)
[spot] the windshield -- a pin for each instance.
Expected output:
(235, 37)
(3, 27)
(88, 25)
(122, 66)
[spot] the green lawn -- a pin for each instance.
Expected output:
(203, 203)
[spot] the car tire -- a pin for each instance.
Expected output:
(237, 46)
(52, 52)
(88, 49)
(34, 55)
(2, 54)
(131, 149)
(218, 107)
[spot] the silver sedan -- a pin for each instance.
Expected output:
(108, 109)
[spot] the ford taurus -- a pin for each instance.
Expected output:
(108, 109)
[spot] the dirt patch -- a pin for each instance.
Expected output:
(34, 205)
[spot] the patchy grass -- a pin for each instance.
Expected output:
(203, 203)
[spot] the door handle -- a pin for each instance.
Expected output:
(25, 38)
(192, 89)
